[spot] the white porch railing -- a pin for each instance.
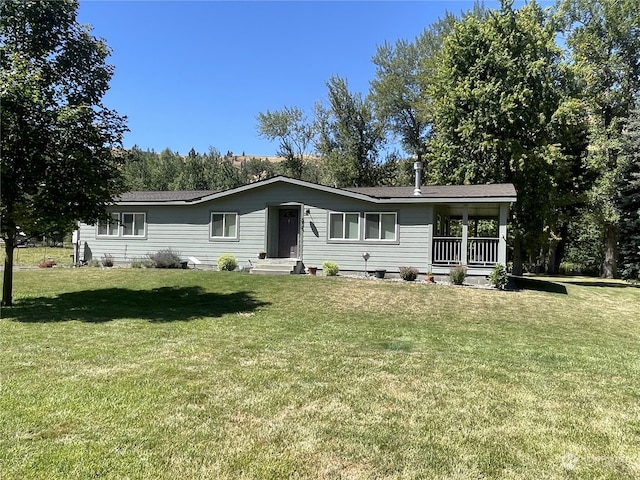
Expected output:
(447, 250)
(481, 251)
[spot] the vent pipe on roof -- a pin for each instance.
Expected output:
(417, 167)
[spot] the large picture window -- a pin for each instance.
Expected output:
(224, 225)
(344, 226)
(380, 226)
(110, 227)
(134, 224)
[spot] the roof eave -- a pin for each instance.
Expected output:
(501, 199)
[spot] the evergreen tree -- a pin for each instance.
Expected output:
(628, 200)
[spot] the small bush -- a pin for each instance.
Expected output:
(457, 275)
(499, 277)
(93, 263)
(227, 262)
(166, 259)
(142, 263)
(107, 260)
(47, 264)
(330, 269)
(408, 273)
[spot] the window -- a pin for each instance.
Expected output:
(344, 226)
(110, 227)
(133, 224)
(380, 226)
(224, 225)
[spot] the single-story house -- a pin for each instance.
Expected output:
(431, 228)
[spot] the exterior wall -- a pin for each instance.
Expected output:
(186, 229)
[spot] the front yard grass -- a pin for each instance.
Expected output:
(150, 374)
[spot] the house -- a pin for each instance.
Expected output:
(431, 228)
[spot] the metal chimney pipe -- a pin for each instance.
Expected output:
(417, 167)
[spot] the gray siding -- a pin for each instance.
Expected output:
(186, 229)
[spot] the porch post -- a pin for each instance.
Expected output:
(502, 234)
(465, 236)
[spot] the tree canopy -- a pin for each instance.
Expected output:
(59, 142)
(499, 89)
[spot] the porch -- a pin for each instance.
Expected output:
(470, 235)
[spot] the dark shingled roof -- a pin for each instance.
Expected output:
(428, 191)
(169, 196)
(440, 191)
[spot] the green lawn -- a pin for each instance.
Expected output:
(32, 256)
(155, 374)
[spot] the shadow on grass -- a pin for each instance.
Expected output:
(525, 283)
(166, 304)
(601, 283)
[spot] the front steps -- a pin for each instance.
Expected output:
(276, 266)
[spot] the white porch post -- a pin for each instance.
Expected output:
(465, 236)
(502, 234)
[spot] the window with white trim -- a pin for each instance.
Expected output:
(344, 226)
(134, 224)
(380, 226)
(224, 225)
(110, 227)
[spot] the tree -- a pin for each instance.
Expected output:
(59, 161)
(500, 83)
(401, 88)
(192, 173)
(604, 40)
(628, 199)
(349, 136)
(291, 128)
(571, 178)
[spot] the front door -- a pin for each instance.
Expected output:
(288, 233)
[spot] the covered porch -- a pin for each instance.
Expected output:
(472, 235)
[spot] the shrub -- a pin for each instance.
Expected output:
(408, 273)
(330, 269)
(107, 260)
(47, 264)
(166, 259)
(227, 262)
(142, 263)
(93, 263)
(458, 274)
(499, 277)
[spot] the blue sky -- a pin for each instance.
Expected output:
(197, 73)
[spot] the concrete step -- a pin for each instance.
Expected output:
(261, 271)
(276, 266)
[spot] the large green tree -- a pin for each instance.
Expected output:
(58, 139)
(350, 136)
(500, 84)
(603, 37)
(402, 87)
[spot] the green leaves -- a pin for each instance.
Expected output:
(58, 139)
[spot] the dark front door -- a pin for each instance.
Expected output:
(288, 233)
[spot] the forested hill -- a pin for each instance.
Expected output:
(146, 170)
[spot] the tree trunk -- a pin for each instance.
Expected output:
(557, 249)
(7, 285)
(610, 264)
(517, 256)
